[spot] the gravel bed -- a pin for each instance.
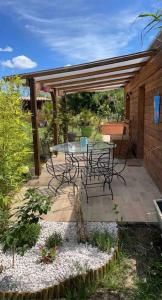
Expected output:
(72, 258)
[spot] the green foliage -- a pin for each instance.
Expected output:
(100, 104)
(14, 136)
(82, 292)
(23, 234)
(97, 103)
(21, 237)
(4, 221)
(116, 276)
(87, 118)
(116, 104)
(103, 240)
(47, 110)
(83, 109)
(136, 274)
(53, 240)
(155, 20)
(78, 101)
(35, 205)
(47, 255)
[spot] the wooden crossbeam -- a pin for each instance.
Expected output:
(95, 89)
(94, 64)
(56, 83)
(107, 84)
(96, 72)
(93, 83)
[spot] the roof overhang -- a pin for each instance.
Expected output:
(100, 75)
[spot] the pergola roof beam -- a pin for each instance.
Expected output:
(135, 66)
(99, 63)
(61, 80)
(94, 84)
(97, 89)
(94, 87)
(89, 81)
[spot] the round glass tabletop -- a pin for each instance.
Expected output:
(77, 147)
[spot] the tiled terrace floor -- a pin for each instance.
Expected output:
(135, 200)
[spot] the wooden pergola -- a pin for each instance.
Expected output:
(102, 75)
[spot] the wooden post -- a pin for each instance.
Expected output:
(65, 119)
(55, 125)
(36, 144)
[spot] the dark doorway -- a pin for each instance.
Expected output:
(141, 115)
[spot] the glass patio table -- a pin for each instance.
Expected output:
(78, 148)
(77, 154)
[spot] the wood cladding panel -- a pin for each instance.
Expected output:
(150, 76)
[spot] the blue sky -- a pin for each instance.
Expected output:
(40, 34)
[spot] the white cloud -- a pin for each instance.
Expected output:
(19, 62)
(77, 32)
(83, 39)
(6, 49)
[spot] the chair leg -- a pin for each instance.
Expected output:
(49, 183)
(110, 188)
(85, 188)
(74, 185)
(61, 183)
(119, 175)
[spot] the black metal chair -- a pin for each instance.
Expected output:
(64, 173)
(78, 159)
(120, 161)
(99, 166)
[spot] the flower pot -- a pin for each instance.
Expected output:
(86, 131)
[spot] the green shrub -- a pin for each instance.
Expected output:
(53, 240)
(4, 221)
(23, 234)
(35, 205)
(14, 137)
(21, 238)
(103, 240)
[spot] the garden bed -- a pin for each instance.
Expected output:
(72, 258)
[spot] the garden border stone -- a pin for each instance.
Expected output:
(60, 290)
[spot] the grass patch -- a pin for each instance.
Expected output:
(53, 240)
(137, 272)
(103, 240)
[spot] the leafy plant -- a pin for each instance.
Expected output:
(4, 221)
(47, 255)
(24, 233)
(35, 205)
(155, 20)
(14, 136)
(53, 240)
(86, 118)
(103, 240)
(21, 237)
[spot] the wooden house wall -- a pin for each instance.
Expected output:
(150, 77)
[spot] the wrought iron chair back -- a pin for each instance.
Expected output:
(98, 150)
(100, 163)
(120, 161)
(63, 173)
